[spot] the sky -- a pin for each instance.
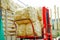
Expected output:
(37, 3)
(40, 3)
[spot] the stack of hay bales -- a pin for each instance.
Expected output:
(22, 20)
(8, 8)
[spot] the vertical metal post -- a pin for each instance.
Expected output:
(58, 17)
(55, 23)
(44, 22)
(58, 21)
(48, 29)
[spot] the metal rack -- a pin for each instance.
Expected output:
(47, 35)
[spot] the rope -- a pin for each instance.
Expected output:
(32, 27)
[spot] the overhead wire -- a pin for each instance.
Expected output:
(22, 3)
